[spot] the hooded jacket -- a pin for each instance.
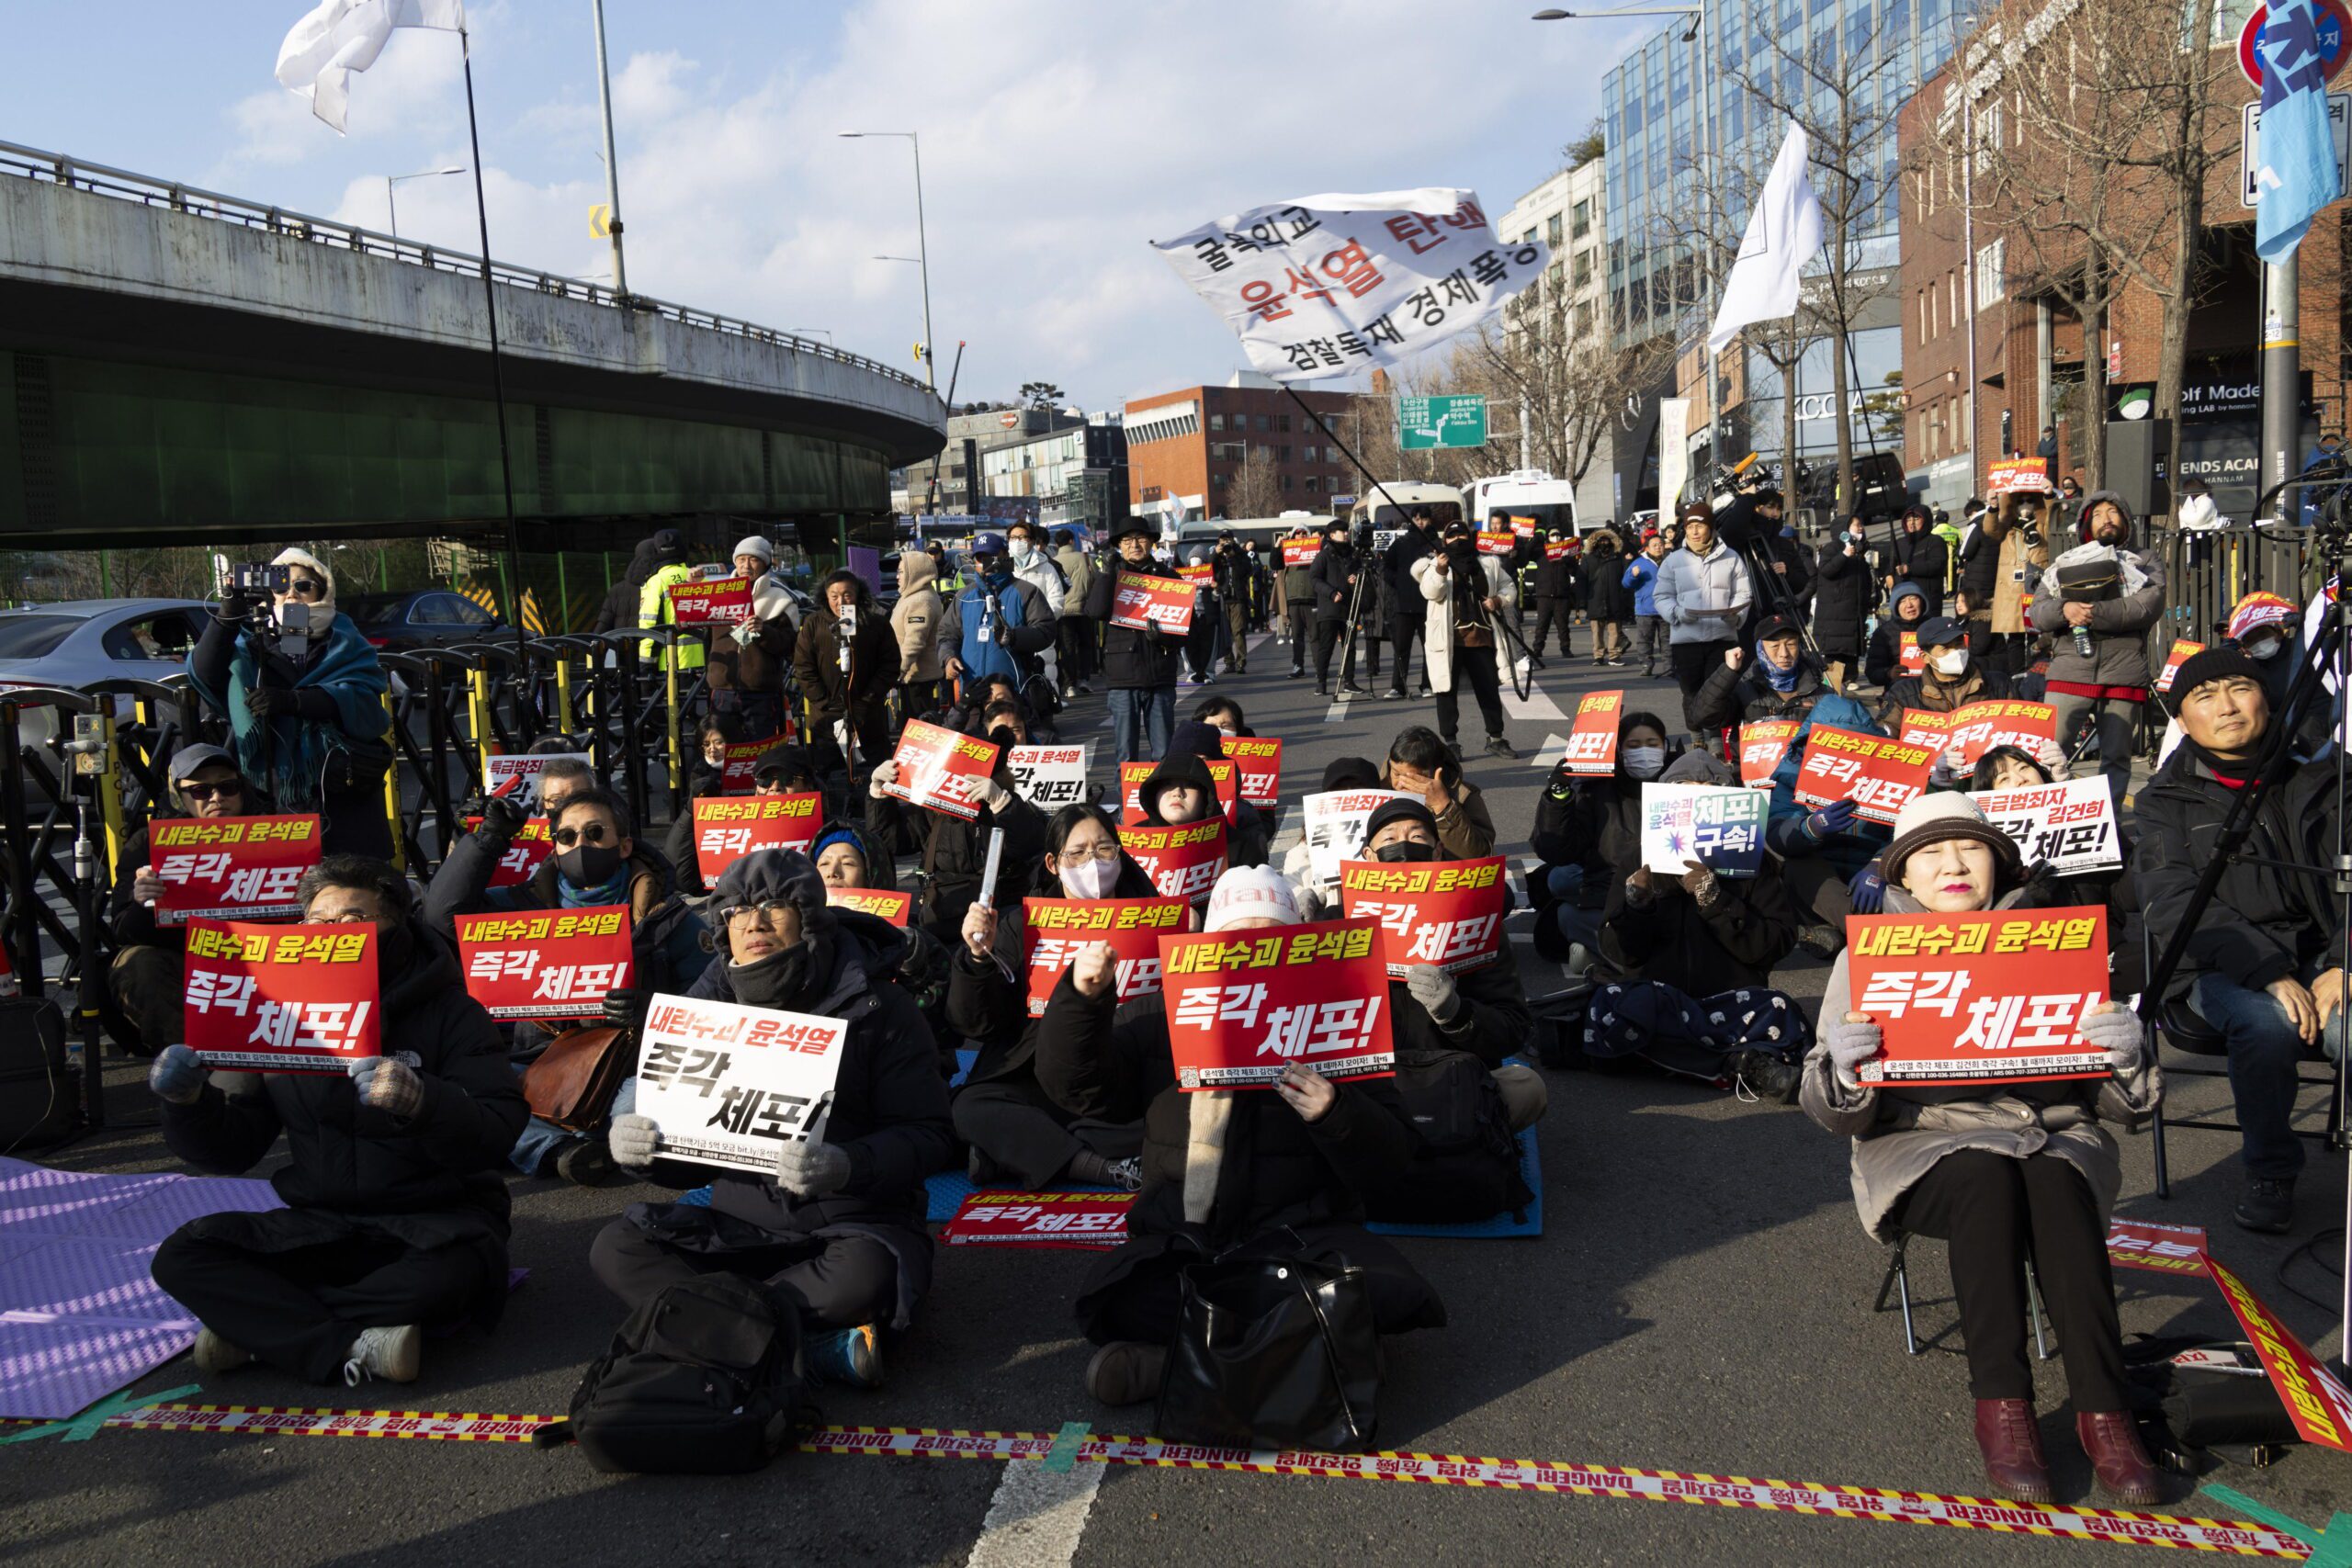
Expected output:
(1245, 839)
(953, 853)
(915, 618)
(2119, 627)
(1923, 557)
(1843, 594)
(618, 610)
(1883, 662)
(1606, 597)
(1078, 572)
(1784, 835)
(1328, 578)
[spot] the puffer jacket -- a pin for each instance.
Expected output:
(2119, 627)
(914, 619)
(1606, 597)
(830, 691)
(1931, 692)
(1784, 835)
(1246, 836)
(1843, 595)
(1132, 661)
(1693, 591)
(1328, 580)
(1593, 823)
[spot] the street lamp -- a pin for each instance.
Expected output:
(922, 242)
(392, 211)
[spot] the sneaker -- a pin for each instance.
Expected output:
(585, 1162)
(1619, 663)
(851, 1358)
(214, 1354)
(1355, 689)
(1207, 680)
(1297, 672)
(1392, 694)
(1824, 942)
(1424, 691)
(392, 1354)
(1126, 1372)
(1127, 1173)
(1498, 747)
(1069, 694)
(2268, 1205)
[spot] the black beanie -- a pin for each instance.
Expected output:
(2212, 664)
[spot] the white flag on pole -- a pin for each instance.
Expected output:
(342, 36)
(1783, 234)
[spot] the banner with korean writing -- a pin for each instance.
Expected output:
(2182, 651)
(717, 600)
(1991, 996)
(1056, 930)
(526, 851)
(2071, 824)
(1182, 862)
(1082, 1220)
(939, 767)
(1162, 601)
(882, 903)
(739, 764)
(1449, 913)
(1200, 575)
(2157, 1248)
(546, 963)
(1334, 285)
(1333, 824)
(1302, 552)
(1497, 541)
(1559, 549)
(730, 1086)
(1910, 658)
(1224, 776)
(1259, 758)
(1523, 527)
(1049, 777)
(1920, 726)
(1878, 773)
(1243, 1005)
(1593, 737)
(1763, 743)
(2319, 1407)
(2009, 475)
(1723, 829)
(2031, 727)
(231, 867)
(281, 999)
(519, 776)
(728, 828)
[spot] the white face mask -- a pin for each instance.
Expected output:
(1644, 761)
(1022, 551)
(1951, 661)
(2267, 648)
(1089, 877)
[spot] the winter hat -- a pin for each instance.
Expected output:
(291, 556)
(772, 877)
(1133, 525)
(668, 545)
(1697, 767)
(1398, 811)
(753, 545)
(839, 833)
(1251, 891)
(1349, 773)
(785, 761)
(1933, 816)
(1906, 591)
(1696, 512)
(2214, 664)
(2258, 610)
(1194, 739)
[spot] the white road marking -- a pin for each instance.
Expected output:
(1548, 755)
(1538, 706)
(1036, 1517)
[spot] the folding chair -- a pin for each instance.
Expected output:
(1898, 1280)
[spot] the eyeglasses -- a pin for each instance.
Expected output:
(594, 833)
(767, 917)
(213, 791)
(1106, 851)
(306, 588)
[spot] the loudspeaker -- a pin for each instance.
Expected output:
(2138, 450)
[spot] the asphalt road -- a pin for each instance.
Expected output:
(1700, 1301)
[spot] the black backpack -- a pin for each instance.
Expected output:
(1467, 1166)
(706, 1379)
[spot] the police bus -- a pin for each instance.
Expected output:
(1531, 494)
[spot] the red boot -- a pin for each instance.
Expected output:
(2011, 1443)
(2112, 1439)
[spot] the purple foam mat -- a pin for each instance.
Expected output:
(87, 1277)
(62, 1200)
(51, 1371)
(155, 1214)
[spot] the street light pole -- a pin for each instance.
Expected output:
(612, 162)
(1968, 241)
(391, 207)
(923, 246)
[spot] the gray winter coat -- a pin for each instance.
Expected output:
(2119, 627)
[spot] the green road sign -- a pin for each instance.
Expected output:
(1426, 425)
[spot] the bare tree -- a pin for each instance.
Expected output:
(1256, 487)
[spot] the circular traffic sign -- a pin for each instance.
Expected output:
(2332, 23)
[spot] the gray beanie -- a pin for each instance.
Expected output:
(753, 545)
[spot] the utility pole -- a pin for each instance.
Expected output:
(2282, 414)
(612, 162)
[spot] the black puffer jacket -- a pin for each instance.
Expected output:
(1844, 594)
(1734, 941)
(1606, 597)
(1334, 564)
(954, 852)
(1245, 837)
(1132, 661)
(1922, 558)
(134, 924)
(988, 1000)
(1594, 823)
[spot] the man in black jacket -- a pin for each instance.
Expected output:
(147, 979)
(2258, 968)
(1334, 580)
(1234, 572)
(1139, 668)
(1843, 596)
(1407, 617)
(1557, 583)
(1921, 556)
(396, 1216)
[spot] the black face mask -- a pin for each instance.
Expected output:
(589, 865)
(1410, 850)
(776, 981)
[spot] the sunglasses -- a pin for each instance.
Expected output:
(213, 791)
(594, 833)
(306, 588)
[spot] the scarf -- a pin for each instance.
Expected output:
(613, 890)
(341, 664)
(2235, 774)
(1782, 681)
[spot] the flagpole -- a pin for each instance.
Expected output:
(497, 371)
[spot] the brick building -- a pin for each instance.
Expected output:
(1188, 444)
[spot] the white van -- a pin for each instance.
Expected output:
(1373, 508)
(1531, 494)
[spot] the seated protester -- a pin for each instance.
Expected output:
(1882, 662)
(1288, 1169)
(847, 854)
(2258, 967)
(147, 980)
(1190, 746)
(1822, 851)
(396, 1216)
(461, 885)
(2010, 767)
(985, 691)
(1782, 681)
(839, 1229)
(1298, 861)
(1693, 958)
(1955, 676)
(1589, 837)
(1018, 1134)
(951, 852)
(787, 768)
(2002, 1172)
(2268, 628)
(1420, 763)
(1223, 715)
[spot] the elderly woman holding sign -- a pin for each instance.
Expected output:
(2005, 1172)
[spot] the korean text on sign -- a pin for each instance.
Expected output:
(1592, 739)
(545, 963)
(939, 769)
(1879, 774)
(1244, 1005)
(1040, 1219)
(730, 1086)
(1449, 913)
(231, 867)
(1921, 726)
(1259, 758)
(526, 851)
(1497, 541)
(1301, 552)
(281, 999)
(1993, 996)
(1049, 777)
(2159, 1249)
(2070, 825)
(1162, 601)
(1910, 658)
(729, 828)
(1980, 727)
(2320, 1405)
(724, 599)
(1723, 829)
(1334, 826)
(1182, 862)
(1763, 744)
(739, 766)
(2182, 651)
(518, 777)
(882, 903)
(1059, 929)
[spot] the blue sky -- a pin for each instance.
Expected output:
(1057, 138)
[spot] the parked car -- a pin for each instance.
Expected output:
(423, 617)
(80, 642)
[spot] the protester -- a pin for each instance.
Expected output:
(2005, 1174)
(1464, 593)
(2197, 510)
(838, 1230)
(1607, 603)
(395, 1220)
(2018, 563)
(1921, 556)
(1906, 611)
(2011, 767)
(304, 698)
(1407, 617)
(1589, 837)
(1295, 602)
(789, 769)
(1951, 678)
(1138, 667)
(1180, 789)
(1024, 548)
(915, 621)
(1702, 592)
(1781, 682)
(745, 677)
(1235, 575)
(654, 609)
(1223, 715)
(618, 611)
(1822, 850)
(1336, 580)
(1844, 595)
(1420, 763)
(2101, 668)
(1650, 630)
(1000, 621)
(1076, 632)
(1208, 623)
(847, 660)
(954, 850)
(147, 980)
(1556, 581)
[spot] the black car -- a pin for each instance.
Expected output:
(423, 617)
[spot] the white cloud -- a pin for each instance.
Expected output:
(650, 86)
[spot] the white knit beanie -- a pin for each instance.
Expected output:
(1252, 892)
(753, 545)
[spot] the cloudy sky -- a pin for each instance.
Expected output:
(1057, 138)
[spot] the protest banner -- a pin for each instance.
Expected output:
(730, 1086)
(1259, 758)
(295, 998)
(1559, 549)
(939, 769)
(1224, 776)
(1763, 743)
(1879, 774)
(1593, 737)
(2159, 1249)
(1241, 1005)
(1449, 913)
(1918, 727)
(1162, 601)
(882, 903)
(1523, 527)
(1910, 657)
(2009, 475)
(1722, 828)
(526, 851)
(518, 777)
(1200, 576)
(1302, 552)
(1497, 541)
(1084, 1220)
(719, 601)
(2031, 727)
(1988, 996)
(2070, 825)
(2182, 651)
(231, 867)
(2319, 1405)
(1182, 862)
(1057, 929)
(1334, 823)
(729, 828)
(739, 764)
(1049, 777)
(546, 963)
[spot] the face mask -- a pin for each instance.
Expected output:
(2267, 648)
(1021, 550)
(1089, 878)
(774, 981)
(1951, 662)
(1225, 733)
(1408, 851)
(588, 865)
(1644, 761)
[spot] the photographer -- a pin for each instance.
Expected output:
(304, 698)
(847, 660)
(2097, 601)
(1843, 597)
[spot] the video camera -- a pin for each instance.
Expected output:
(256, 578)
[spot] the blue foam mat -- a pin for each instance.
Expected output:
(1500, 1226)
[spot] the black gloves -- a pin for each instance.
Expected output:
(621, 1007)
(503, 815)
(262, 702)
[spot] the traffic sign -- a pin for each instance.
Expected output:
(2339, 121)
(1427, 425)
(600, 222)
(2331, 24)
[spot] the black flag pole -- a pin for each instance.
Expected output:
(497, 370)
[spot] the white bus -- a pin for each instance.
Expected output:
(1525, 493)
(1373, 509)
(1260, 534)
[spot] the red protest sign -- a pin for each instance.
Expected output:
(1558, 550)
(1497, 541)
(1243, 1005)
(2033, 727)
(546, 963)
(1301, 552)
(526, 851)
(939, 767)
(1222, 774)
(1449, 913)
(1880, 775)
(2182, 650)
(2009, 475)
(1990, 996)
(1182, 862)
(1592, 739)
(1921, 728)
(1523, 527)
(1259, 758)
(1203, 575)
(1040, 1219)
(721, 601)
(2319, 1407)
(2160, 1249)
(739, 768)
(1056, 931)
(1763, 742)
(231, 867)
(882, 903)
(281, 999)
(1162, 601)
(1911, 658)
(728, 828)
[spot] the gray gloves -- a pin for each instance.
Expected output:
(1849, 1045)
(177, 1074)
(2117, 1032)
(388, 1085)
(746, 632)
(631, 1138)
(810, 1169)
(1433, 988)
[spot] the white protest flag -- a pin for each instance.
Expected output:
(342, 36)
(1783, 234)
(1331, 285)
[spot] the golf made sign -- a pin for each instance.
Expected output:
(1429, 424)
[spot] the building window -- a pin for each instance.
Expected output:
(1921, 299)
(1282, 454)
(1264, 424)
(1313, 480)
(1581, 273)
(1216, 422)
(1991, 262)
(1286, 482)
(1282, 423)
(1581, 224)
(1552, 229)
